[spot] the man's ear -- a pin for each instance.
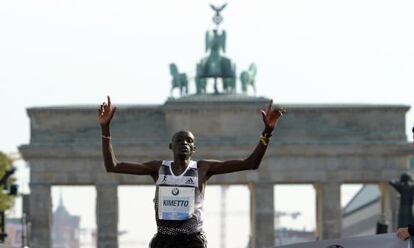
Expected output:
(170, 146)
(194, 148)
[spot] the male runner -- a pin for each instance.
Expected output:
(180, 183)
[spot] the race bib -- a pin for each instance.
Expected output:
(175, 203)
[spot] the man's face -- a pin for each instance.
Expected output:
(183, 144)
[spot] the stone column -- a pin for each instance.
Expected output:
(328, 210)
(107, 215)
(40, 216)
(388, 205)
(262, 215)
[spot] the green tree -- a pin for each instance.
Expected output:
(6, 200)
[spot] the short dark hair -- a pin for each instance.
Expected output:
(181, 131)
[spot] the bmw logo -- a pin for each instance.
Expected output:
(175, 191)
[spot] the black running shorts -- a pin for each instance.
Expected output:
(194, 240)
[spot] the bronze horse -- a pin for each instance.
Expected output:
(179, 80)
(248, 77)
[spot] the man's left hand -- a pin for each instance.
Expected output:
(271, 117)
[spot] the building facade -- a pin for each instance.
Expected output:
(66, 228)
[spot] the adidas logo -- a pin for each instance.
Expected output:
(189, 181)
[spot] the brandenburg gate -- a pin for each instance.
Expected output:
(323, 145)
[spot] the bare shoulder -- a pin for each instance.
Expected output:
(153, 165)
(146, 168)
(152, 168)
(205, 163)
(203, 169)
(209, 161)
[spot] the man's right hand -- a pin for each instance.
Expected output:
(106, 113)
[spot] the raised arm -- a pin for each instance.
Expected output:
(106, 113)
(270, 119)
